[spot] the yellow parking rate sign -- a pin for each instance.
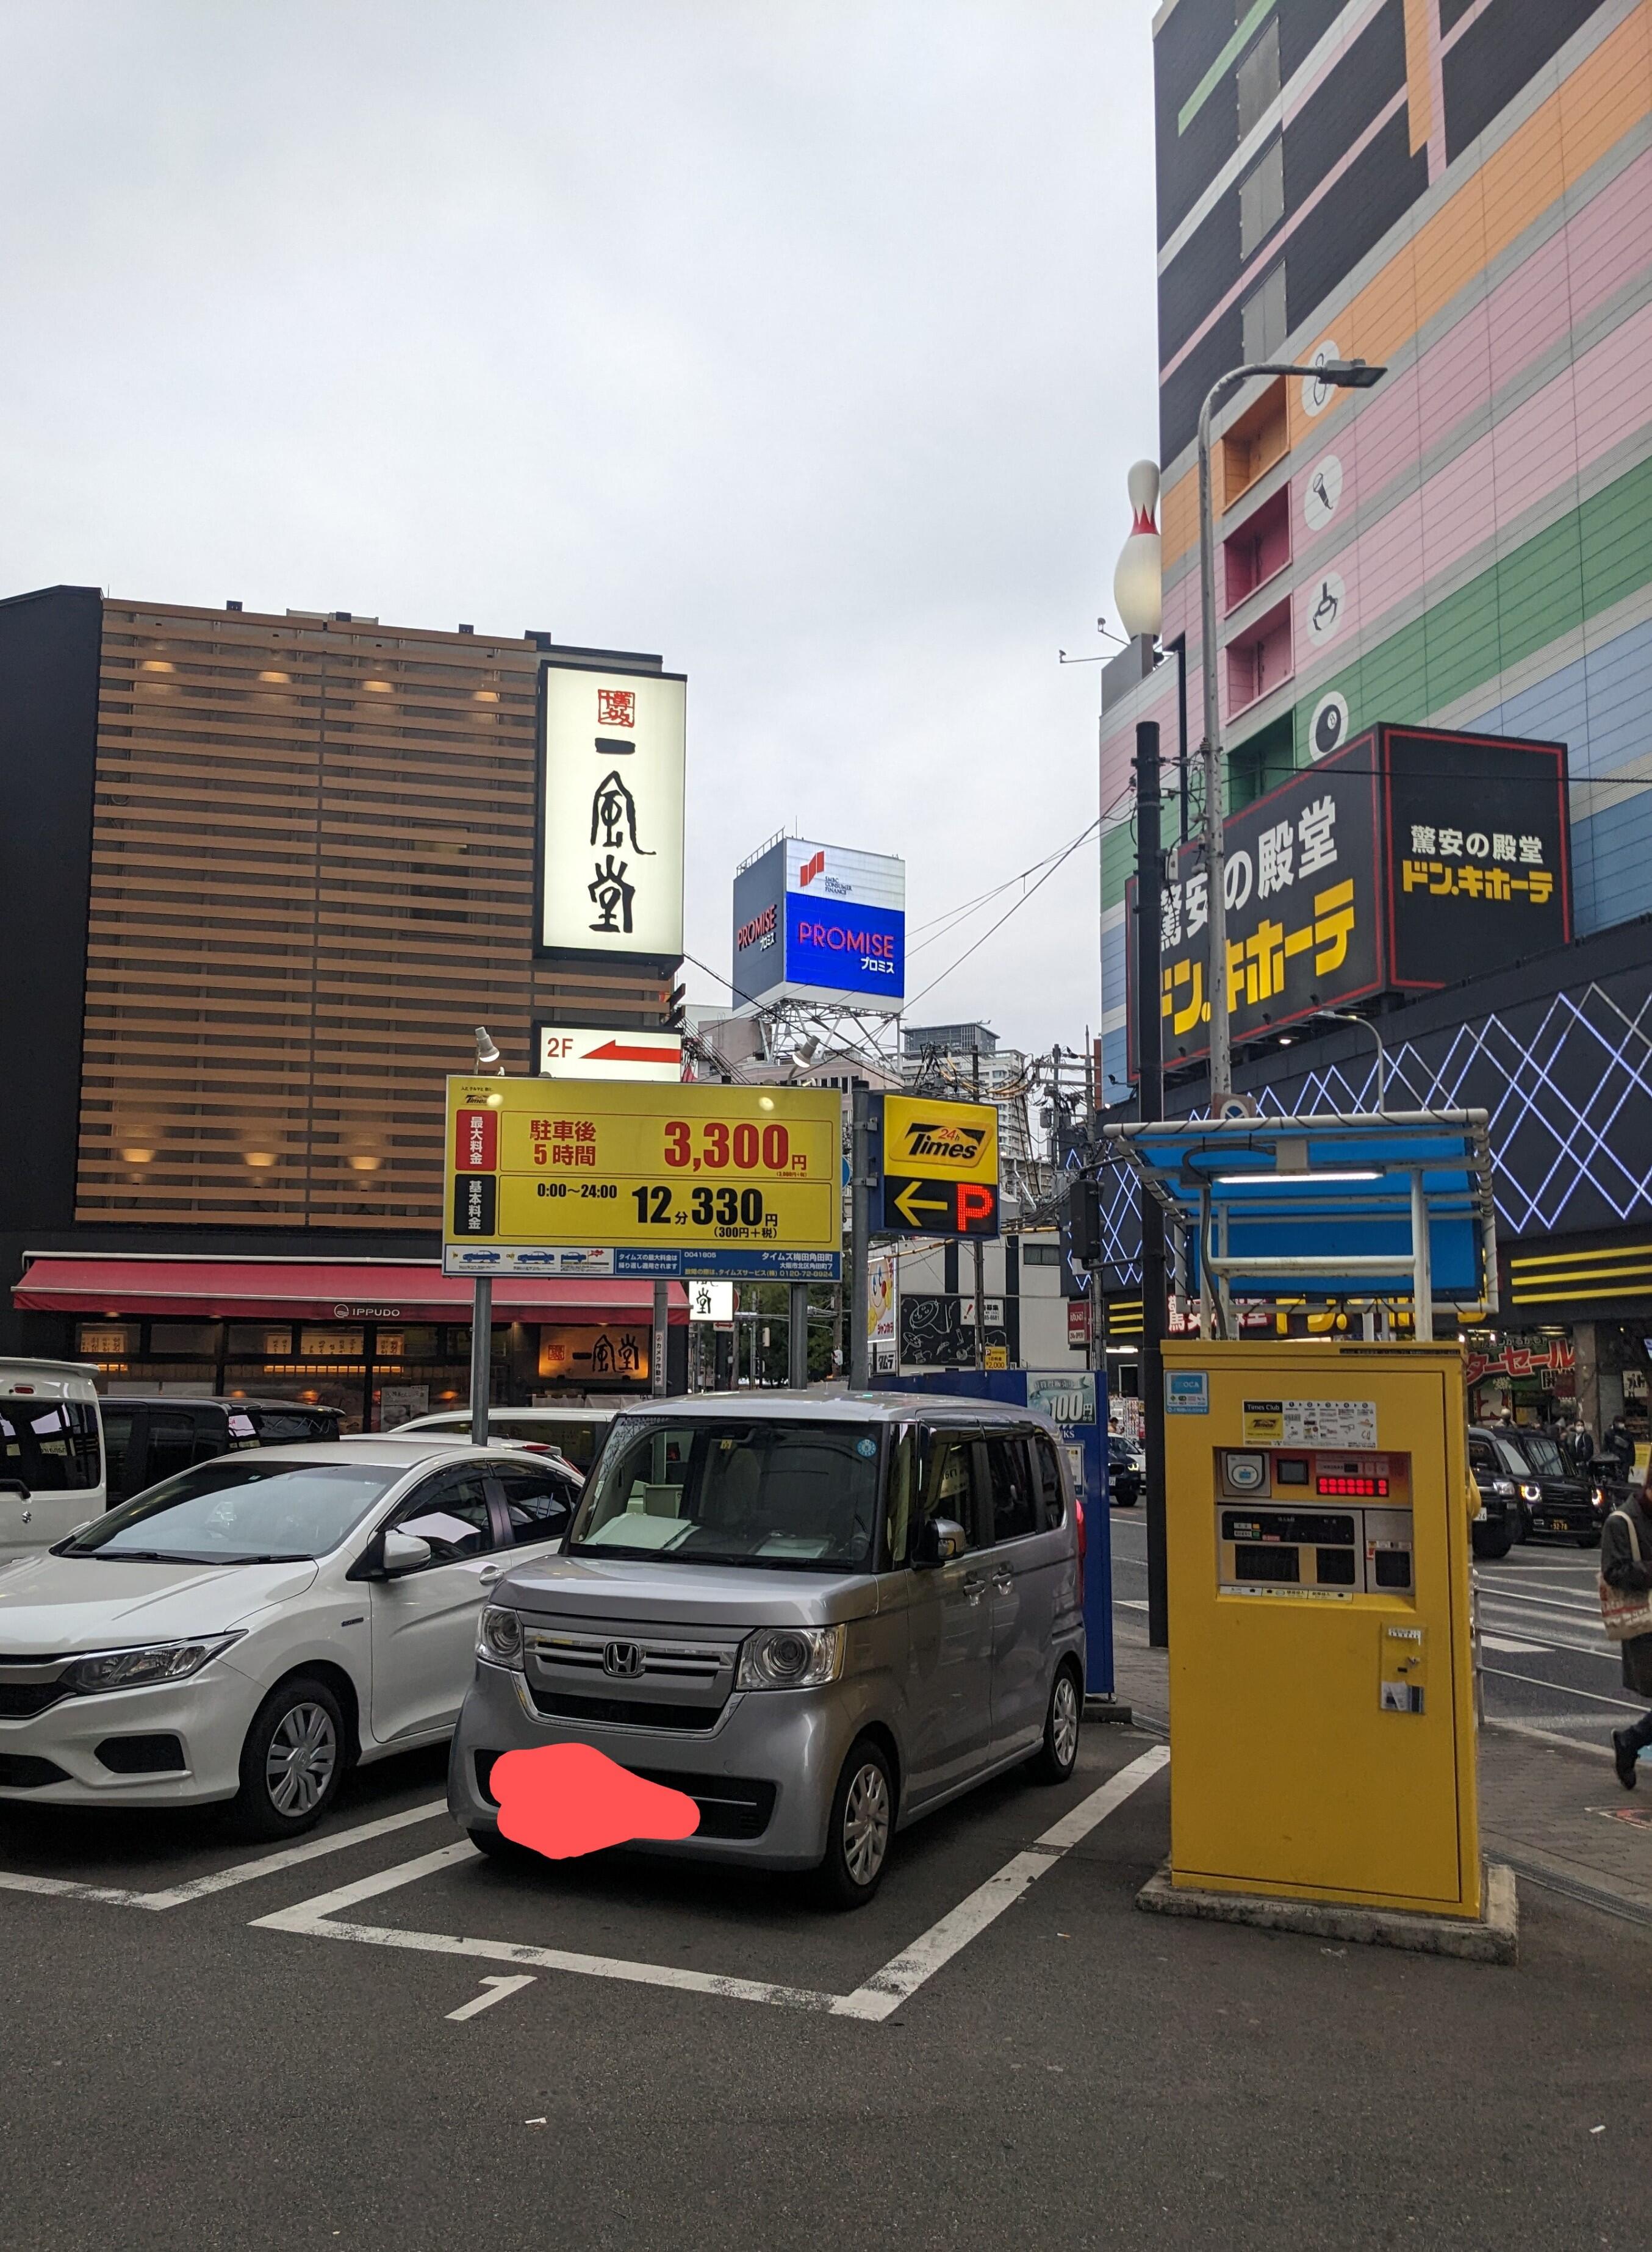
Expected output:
(590, 1177)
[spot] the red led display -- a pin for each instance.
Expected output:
(1359, 1489)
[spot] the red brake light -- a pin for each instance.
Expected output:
(1084, 1533)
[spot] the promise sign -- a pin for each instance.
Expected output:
(609, 1178)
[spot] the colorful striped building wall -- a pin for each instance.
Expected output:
(1469, 544)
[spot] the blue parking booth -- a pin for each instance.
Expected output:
(1076, 1400)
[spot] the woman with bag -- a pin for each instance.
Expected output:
(1625, 1612)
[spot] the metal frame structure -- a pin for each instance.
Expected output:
(1303, 1176)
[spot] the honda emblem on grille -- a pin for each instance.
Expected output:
(623, 1658)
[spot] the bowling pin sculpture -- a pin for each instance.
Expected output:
(1136, 581)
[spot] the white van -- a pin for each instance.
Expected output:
(52, 1474)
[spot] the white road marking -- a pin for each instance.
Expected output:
(879, 1997)
(501, 1988)
(267, 1865)
(885, 1991)
(1508, 1648)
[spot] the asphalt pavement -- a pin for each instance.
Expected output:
(379, 2039)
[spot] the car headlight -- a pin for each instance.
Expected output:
(1505, 1487)
(500, 1636)
(1596, 1496)
(1531, 1493)
(791, 1658)
(137, 1669)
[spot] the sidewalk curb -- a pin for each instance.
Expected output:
(1495, 1939)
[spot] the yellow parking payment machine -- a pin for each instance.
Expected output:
(1321, 1684)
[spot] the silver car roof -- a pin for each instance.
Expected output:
(836, 1408)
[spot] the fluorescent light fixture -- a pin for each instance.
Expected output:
(1276, 1180)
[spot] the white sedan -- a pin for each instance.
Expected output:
(251, 1628)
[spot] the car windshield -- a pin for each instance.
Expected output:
(1544, 1455)
(1513, 1461)
(239, 1510)
(1120, 1449)
(802, 1495)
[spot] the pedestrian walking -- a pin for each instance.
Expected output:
(1579, 1447)
(1620, 1444)
(1626, 1611)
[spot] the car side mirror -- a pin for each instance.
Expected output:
(403, 1552)
(939, 1540)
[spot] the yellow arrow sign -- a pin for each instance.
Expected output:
(908, 1204)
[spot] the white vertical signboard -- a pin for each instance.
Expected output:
(611, 812)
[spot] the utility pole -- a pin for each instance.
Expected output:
(976, 1248)
(481, 1357)
(659, 1341)
(860, 1234)
(1150, 1086)
(798, 1337)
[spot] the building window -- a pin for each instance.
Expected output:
(1262, 200)
(1265, 318)
(1258, 77)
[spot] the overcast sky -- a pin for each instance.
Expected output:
(807, 344)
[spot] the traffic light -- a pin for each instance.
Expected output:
(676, 1008)
(1083, 1223)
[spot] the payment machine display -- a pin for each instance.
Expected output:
(1313, 1522)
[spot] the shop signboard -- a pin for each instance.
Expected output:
(573, 1175)
(606, 1052)
(939, 1167)
(1408, 859)
(820, 922)
(711, 1301)
(585, 1352)
(611, 756)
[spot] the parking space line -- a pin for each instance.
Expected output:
(878, 1999)
(885, 1991)
(267, 1865)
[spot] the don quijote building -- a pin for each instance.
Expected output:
(264, 875)
(1445, 579)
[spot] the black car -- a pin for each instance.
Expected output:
(1556, 1502)
(146, 1440)
(1126, 1468)
(1501, 1522)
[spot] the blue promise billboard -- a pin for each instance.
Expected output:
(820, 923)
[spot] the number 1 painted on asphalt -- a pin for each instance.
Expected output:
(501, 1988)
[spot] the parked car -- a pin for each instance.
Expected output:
(820, 1620)
(1555, 1503)
(1127, 1470)
(52, 1471)
(145, 1441)
(252, 1626)
(1501, 1522)
(575, 1432)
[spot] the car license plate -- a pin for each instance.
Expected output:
(1481, 1516)
(1558, 1525)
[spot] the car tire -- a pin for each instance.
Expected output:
(1524, 1532)
(1491, 1547)
(293, 1761)
(860, 1829)
(1058, 1755)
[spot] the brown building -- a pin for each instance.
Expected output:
(263, 878)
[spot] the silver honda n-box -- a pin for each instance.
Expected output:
(820, 1618)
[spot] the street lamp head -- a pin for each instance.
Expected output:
(487, 1054)
(1351, 374)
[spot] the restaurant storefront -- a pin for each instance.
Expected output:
(379, 1340)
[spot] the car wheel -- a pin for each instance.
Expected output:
(1523, 1533)
(861, 1826)
(1058, 1755)
(292, 1761)
(1491, 1545)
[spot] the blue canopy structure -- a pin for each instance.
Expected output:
(1398, 1204)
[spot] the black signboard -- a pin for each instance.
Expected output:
(1408, 859)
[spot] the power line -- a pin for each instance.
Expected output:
(1015, 908)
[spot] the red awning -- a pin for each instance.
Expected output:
(324, 1290)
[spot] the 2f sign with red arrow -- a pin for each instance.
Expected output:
(606, 1052)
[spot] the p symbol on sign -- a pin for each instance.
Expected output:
(974, 1205)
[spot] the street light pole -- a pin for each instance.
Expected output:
(1338, 374)
(1348, 1017)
